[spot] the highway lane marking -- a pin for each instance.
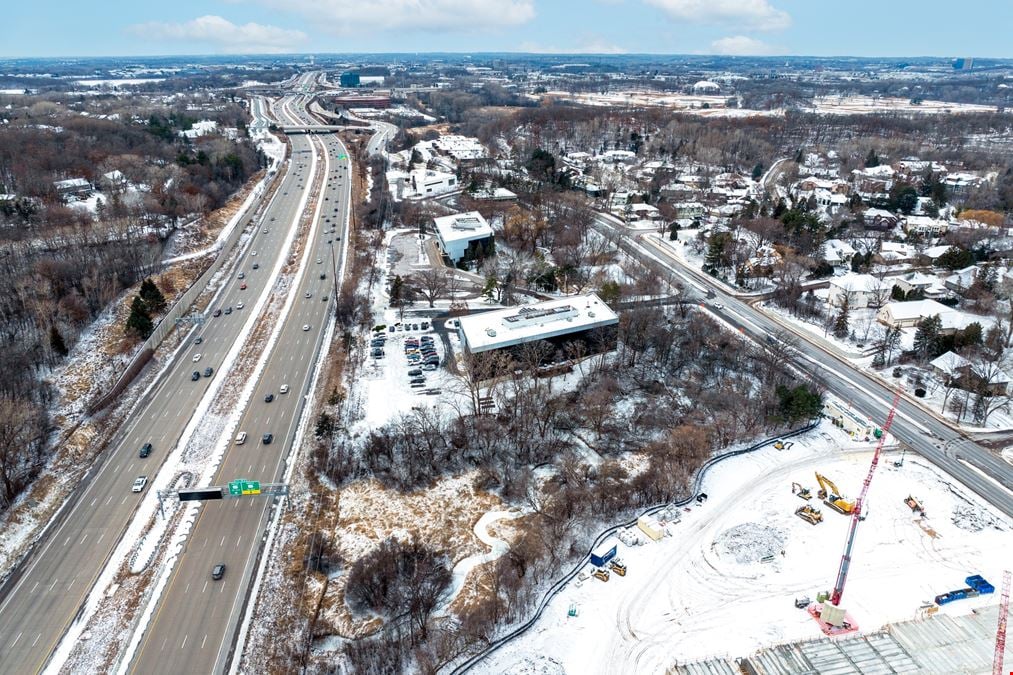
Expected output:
(205, 587)
(239, 541)
(187, 590)
(223, 536)
(54, 584)
(250, 469)
(124, 500)
(184, 642)
(71, 583)
(93, 501)
(66, 541)
(36, 641)
(163, 644)
(204, 641)
(82, 539)
(102, 536)
(34, 587)
(16, 639)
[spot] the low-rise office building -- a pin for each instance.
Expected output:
(464, 236)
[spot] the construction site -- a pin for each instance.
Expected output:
(817, 556)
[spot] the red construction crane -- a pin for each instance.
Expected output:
(1000, 633)
(856, 515)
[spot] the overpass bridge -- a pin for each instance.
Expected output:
(314, 128)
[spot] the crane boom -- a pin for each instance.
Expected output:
(856, 514)
(1000, 633)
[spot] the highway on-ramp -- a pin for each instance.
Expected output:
(43, 600)
(196, 620)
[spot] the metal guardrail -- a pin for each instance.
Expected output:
(558, 586)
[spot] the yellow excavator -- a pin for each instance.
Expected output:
(831, 495)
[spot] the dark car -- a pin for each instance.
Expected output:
(218, 312)
(417, 380)
(145, 450)
(323, 276)
(267, 438)
(218, 571)
(195, 376)
(256, 266)
(268, 398)
(228, 310)
(199, 339)
(208, 371)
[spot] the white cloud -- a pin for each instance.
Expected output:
(357, 16)
(249, 38)
(747, 14)
(741, 45)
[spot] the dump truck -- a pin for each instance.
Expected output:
(831, 495)
(801, 492)
(618, 567)
(809, 514)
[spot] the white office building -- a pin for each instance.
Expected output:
(461, 231)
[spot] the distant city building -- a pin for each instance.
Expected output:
(577, 319)
(463, 236)
(349, 79)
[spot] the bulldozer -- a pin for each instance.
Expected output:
(915, 505)
(809, 514)
(617, 566)
(801, 492)
(831, 495)
(602, 574)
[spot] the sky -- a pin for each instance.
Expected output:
(950, 28)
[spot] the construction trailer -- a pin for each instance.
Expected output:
(603, 554)
(651, 527)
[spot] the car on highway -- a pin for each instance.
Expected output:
(145, 450)
(323, 276)
(256, 266)
(139, 484)
(199, 339)
(242, 286)
(240, 438)
(324, 298)
(264, 230)
(218, 312)
(240, 305)
(218, 571)
(196, 357)
(228, 310)
(208, 371)
(242, 275)
(284, 389)
(267, 438)
(268, 398)
(305, 326)
(195, 375)
(718, 306)
(308, 295)
(253, 253)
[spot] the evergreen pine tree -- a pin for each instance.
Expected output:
(152, 297)
(139, 321)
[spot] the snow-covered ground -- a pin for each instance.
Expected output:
(724, 580)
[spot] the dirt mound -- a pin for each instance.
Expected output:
(750, 542)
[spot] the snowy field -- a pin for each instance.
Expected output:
(722, 584)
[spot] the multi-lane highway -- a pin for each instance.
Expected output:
(41, 602)
(974, 466)
(195, 622)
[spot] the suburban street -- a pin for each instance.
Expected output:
(48, 595)
(196, 620)
(954, 452)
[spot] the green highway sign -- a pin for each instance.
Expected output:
(251, 487)
(235, 488)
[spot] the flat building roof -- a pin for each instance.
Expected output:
(539, 321)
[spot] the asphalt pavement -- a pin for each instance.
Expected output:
(194, 626)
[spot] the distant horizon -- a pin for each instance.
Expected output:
(750, 28)
(576, 55)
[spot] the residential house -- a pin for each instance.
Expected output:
(929, 285)
(861, 290)
(689, 210)
(73, 187)
(880, 219)
(838, 252)
(956, 370)
(959, 184)
(873, 183)
(925, 226)
(962, 279)
(762, 263)
(908, 314)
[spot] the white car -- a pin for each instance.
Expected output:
(240, 306)
(319, 260)
(305, 326)
(718, 306)
(308, 295)
(284, 389)
(196, 358)
(253, 253)
(139, 484)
